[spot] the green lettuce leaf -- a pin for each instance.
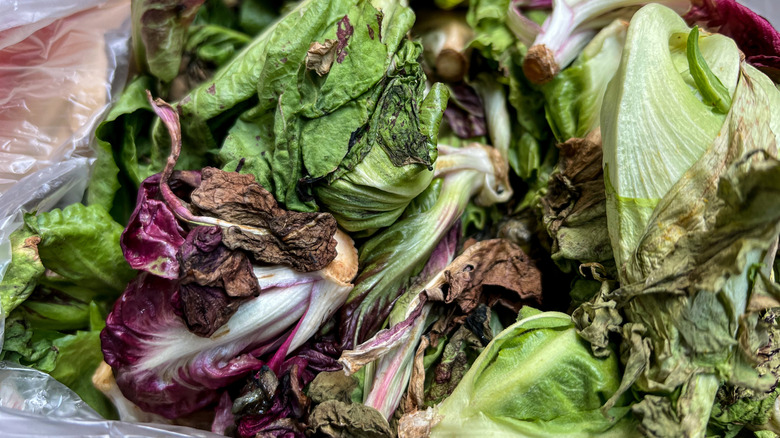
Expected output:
(536, 378)
(80, 246)
(23, 273)
(573, 98)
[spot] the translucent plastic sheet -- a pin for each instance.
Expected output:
(32, 404)
(61, 63)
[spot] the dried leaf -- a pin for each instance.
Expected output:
(486, 272)
(320, 56)
(334, 385)
(336, 419)
(575, 204)
(205, 309)
(206, 261)
(272, 235)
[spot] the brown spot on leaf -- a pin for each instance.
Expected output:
(212, 89)
(320, 57)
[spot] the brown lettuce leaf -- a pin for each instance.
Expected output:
(303, 241)
(337, 419)
(574, 209)
(206, 261)
(492, 271)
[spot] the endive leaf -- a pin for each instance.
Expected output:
(654, 125)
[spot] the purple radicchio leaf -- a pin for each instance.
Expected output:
(153, 235)
(166, 369)
(271, 407)
(141, 329)
(755, 36)
(465, 112)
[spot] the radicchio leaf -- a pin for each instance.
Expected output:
(465, 112)
(754, 35)
(153, 235)
(144, 316)
(277, 407)
(248, 214)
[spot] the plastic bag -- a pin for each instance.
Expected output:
(32, 404)
(61, 66)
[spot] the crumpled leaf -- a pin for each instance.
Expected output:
(22, 275)
(491, 271)
(205, 309)
(153, 235)
(691, 273)
(321, 56)
(458, 355)
(391, 257)
(207, 262)
(574, 207)
(301, 240)
(332, 386)
(159, 33)
(573, 98)
(336, 419)
(248, 214)
(737, 406)
(274, 404)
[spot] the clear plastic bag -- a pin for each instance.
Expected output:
(61, 64)
(32, 404)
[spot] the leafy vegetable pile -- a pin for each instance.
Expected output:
(486, 217)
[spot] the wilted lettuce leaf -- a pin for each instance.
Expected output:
(653, 100)
(160, 32)
(691, 277)
(574, 207)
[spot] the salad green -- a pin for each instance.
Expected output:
(532, 218)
